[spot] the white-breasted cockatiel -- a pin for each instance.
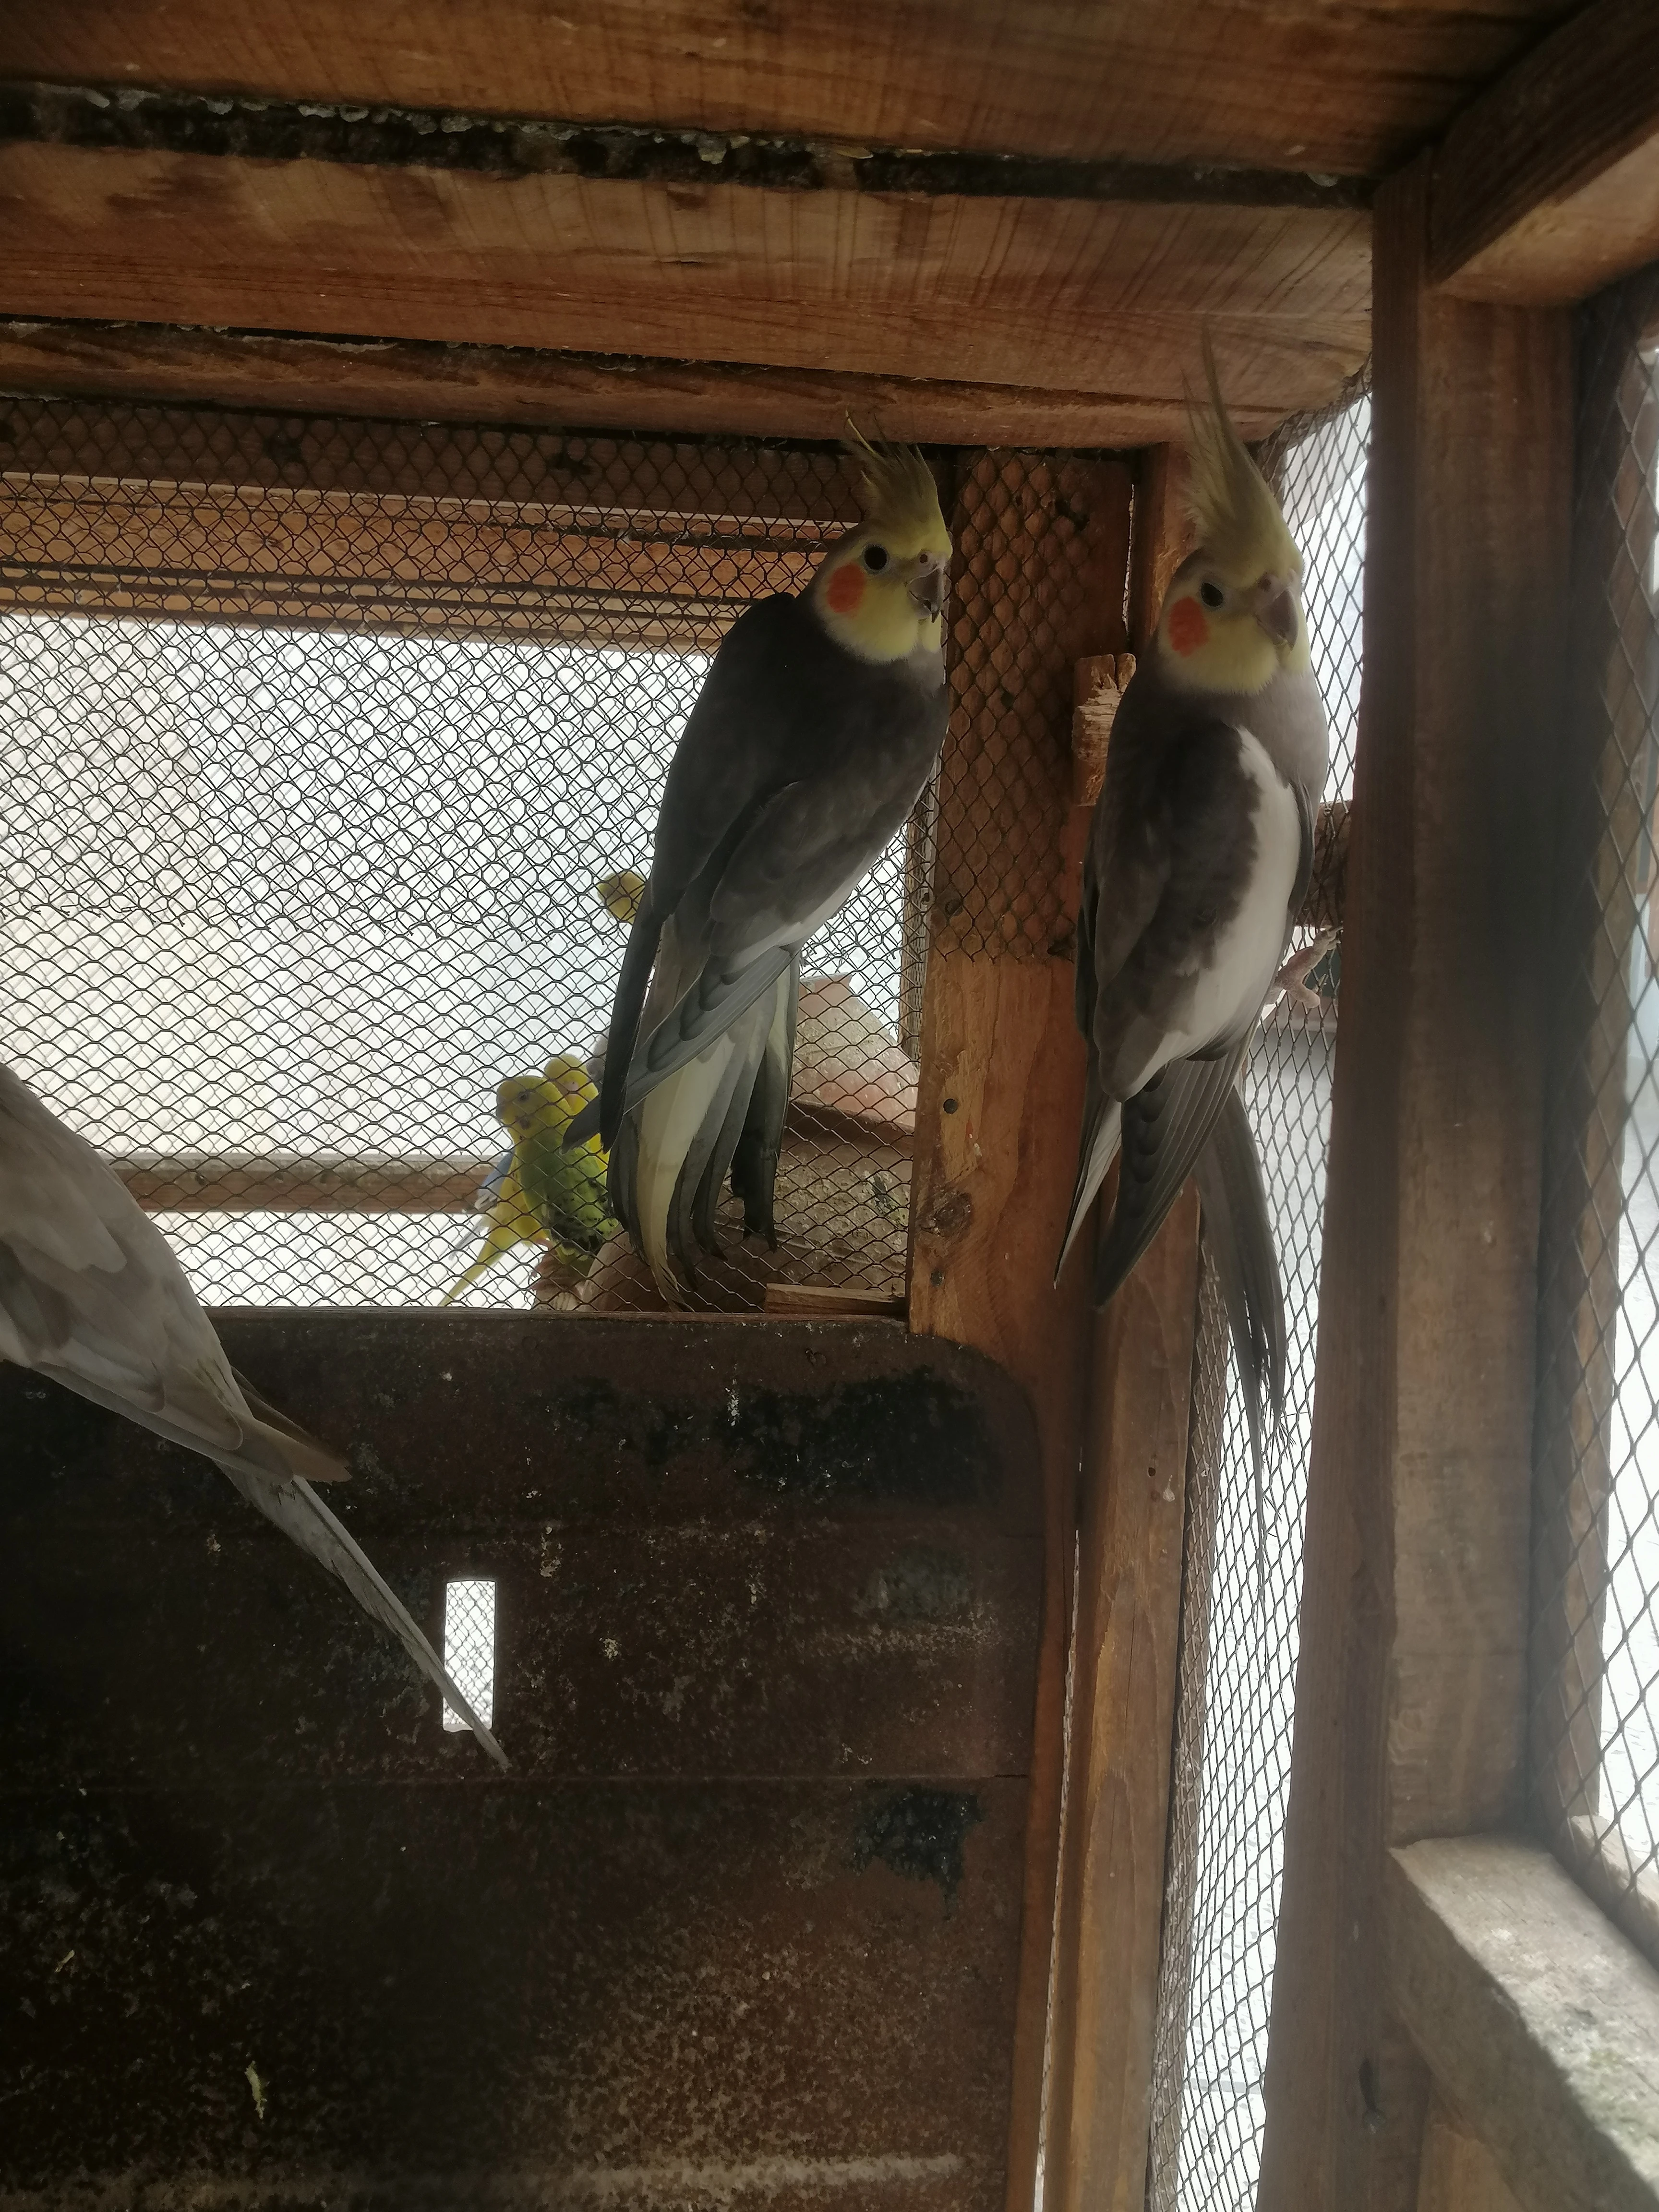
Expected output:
(1199, 855)
(816, 730)
(92, 1296)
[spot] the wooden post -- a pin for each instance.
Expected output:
(1123, 1702)
(1411, 1691)
(1038, 585)
(1126, 1641)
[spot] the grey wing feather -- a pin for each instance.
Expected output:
(302, 1516)
(1239, 1234)
(91, 1295)
(1166, 1125)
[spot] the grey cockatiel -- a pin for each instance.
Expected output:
(1200, 853)
(815, 730)
(92, 1296)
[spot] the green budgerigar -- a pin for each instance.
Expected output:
(540, 1193)
(564, 1187)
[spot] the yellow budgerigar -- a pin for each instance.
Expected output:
(620, 895)
(540, 1193)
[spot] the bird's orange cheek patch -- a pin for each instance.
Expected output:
(846, 588)
(1188, 628)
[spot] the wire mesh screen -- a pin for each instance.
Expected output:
(1240, 1600)
(1595, 1737)
(330, 747)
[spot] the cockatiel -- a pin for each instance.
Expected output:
(92, 1296)
(1200, 853)
(816, 729)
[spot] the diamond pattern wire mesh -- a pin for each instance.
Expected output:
(1595, 1735)
(1236, 1671)
(320, 739)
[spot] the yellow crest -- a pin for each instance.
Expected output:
(1235, 517)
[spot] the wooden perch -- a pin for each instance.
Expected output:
(290, 1183)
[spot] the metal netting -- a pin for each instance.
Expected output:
(1240, 1602)
(1595, 1677)
(325, 743)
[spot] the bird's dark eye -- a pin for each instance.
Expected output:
(875, 558)
(1211, 594)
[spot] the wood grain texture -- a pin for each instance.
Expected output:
(1162, 534)
(1458, 2172)
(1547, 188)
(1123, 1700)
(1602, 787)
(1269, 82)
(1412, 1679)
(1077, 296)
(1539, 2022)
(428, 381)
(1000, 1093)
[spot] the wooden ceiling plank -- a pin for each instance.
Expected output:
(1076, 295)
(420, 381)
(1270, 82)
(1547, 188)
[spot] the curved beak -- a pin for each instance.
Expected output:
(927, 592)
(1276, 611)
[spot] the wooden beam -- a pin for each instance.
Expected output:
(1458, 2172)
(1547, 187)
(1038, 584)
(1123, 1700)
(1273, 86)
(248, 1183)
(1411, 1681)
(428, 381)
(1071, 295)
(1539, 2021)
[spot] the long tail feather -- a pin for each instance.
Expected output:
(755, 1163)
(1239, 1235)
(1102, 1128)
(1166, 1125)
(302, 1516)
(625, 1009)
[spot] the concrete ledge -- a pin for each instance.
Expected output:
(1538, 2020)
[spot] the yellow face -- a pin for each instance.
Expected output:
(1218, 633)
(881, 592)
(569, 1079)
(523, 1102)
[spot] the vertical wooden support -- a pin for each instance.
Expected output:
(1605, 849)
(1127, 1643)
(1123, 1702)
(1411, 1689)
(1042, 557)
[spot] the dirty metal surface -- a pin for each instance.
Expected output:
(741, 1925)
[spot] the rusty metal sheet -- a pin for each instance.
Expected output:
(741, 1925)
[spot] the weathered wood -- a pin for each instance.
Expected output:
(253, 1182)
(1411, 1688)
(1162, 534)
(425, 381)
(1077, 294)
(1602, 784)
(1539, 2021)
(1001, 1084)
(742, 1922)
(1206, 1452)
(1257, 84)
(1547, 187)
(1123, 1699)
(1458, 2172)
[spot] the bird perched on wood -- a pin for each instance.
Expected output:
(92, 1296)
(1198, 858)
(816, 729)
(538, 1192)
(564, 1184)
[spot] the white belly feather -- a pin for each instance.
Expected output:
(1229, 987)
